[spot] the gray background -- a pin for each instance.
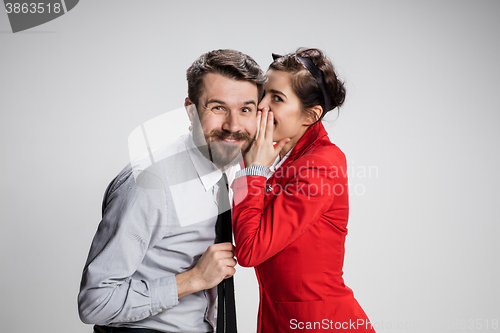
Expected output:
(422, 111)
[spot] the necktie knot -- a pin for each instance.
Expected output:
(223, 197)
(223, 182)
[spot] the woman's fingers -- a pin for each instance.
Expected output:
(269, 127)
(263, 123)
(262, 152)
(259, 116)
(280, 145)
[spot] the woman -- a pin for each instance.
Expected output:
(291, 203)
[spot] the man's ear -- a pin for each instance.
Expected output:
(190, 109)
(313, 115)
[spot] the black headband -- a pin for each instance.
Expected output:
(316, 73)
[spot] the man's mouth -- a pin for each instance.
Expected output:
(231, 140)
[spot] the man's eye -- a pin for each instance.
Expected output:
(276, 98)
(246, 110)
(218, 109)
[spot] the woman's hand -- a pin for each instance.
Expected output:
(262, 151)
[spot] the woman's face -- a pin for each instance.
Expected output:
(289, 121)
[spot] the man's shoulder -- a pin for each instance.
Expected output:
(124, 176)
(167, 166)
(150, 170)
(138, 175)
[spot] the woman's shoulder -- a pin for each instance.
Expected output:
(324, 152)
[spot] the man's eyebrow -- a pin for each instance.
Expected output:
(215, 101)
(274, 91)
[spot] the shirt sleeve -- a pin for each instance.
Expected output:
(256, 170)
(262, 231)
(134, 219)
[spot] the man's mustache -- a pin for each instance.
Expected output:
(222, 135)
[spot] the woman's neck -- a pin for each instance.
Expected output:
(283, 153)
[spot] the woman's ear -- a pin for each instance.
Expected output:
(314, 114)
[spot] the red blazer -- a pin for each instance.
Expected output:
(292, 228)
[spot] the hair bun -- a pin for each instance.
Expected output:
(303, 82)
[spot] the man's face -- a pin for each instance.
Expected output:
(227, 112)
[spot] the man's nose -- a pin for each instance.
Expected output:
(232, 122)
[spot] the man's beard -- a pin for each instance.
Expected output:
(225, 154)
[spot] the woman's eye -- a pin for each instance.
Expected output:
(276, 98)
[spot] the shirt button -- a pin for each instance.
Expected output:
(170, 307)
(133, 319)
(160, 310)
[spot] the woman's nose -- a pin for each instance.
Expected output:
(263, 104)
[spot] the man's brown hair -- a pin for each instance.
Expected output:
(229, 63)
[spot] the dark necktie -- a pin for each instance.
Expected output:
(226, 308)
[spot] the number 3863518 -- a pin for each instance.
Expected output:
(32, 8)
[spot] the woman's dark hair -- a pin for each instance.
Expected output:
(229, 63)
(305, 85)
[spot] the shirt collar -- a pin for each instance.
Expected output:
(314, 133)
(277, 162)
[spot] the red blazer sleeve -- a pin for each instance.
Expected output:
(264, 224)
